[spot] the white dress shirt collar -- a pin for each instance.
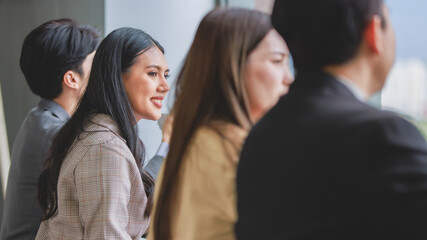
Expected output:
(354, 89)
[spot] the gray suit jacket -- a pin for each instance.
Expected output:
(21, 214)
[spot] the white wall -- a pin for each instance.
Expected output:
(171, 22)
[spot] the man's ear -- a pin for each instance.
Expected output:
(373, 36)
(72, 79)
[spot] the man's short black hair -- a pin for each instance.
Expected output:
(323, 32)
(52, 49)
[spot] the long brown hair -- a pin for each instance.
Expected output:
(209, 87)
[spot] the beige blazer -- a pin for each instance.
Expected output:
(100, 191)
(205, 204)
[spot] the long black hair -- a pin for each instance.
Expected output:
(104, 94)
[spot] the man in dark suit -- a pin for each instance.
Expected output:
(322, 164)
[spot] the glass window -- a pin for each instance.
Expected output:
(405, 91)
(261, 5)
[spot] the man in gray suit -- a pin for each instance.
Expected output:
(56, 58)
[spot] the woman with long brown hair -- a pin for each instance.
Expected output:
(236, 69)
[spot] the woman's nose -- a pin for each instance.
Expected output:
(288, 78)
(164, 86)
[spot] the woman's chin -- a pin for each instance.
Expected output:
(154, 116)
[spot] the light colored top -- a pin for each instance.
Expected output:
(163, 149)
(205, 203)
(153, 166)
(21, 213)
(357, 92)
(100, 191)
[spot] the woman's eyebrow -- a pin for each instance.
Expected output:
(157, 67)
(284, 54)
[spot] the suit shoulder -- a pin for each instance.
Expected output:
(388, 120)
(386, 126)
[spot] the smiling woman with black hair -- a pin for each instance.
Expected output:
(93, 184)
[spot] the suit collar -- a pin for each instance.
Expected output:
(55, 108)
(320, 81)
(100, 122)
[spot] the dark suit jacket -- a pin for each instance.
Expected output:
(323, 165)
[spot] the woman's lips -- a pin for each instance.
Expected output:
(157, 101)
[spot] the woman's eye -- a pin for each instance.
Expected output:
(152, 74)
(167, 76)
(277, 60)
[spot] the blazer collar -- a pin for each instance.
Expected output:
(100, 122)
(320, 81)
(55, 108)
